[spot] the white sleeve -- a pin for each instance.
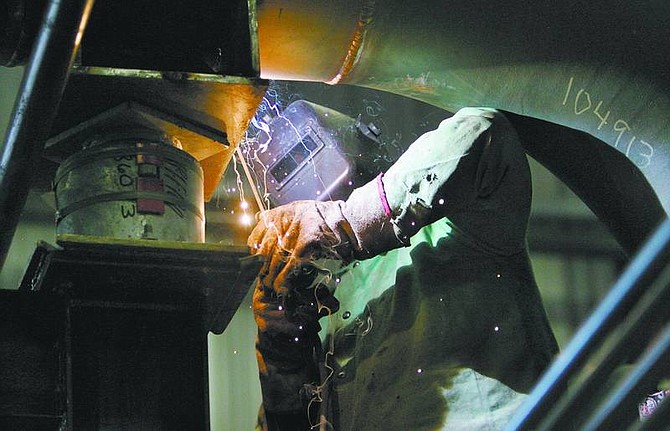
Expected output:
(386, 212)
(412, 183)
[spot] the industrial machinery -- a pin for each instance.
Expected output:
(135, 110)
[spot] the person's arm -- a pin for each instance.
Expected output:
(384, 214)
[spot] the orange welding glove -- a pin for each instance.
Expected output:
(302, 232)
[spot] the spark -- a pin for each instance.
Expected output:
(246, 219)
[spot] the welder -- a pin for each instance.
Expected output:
(459, 333)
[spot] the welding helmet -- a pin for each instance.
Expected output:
(309, 151)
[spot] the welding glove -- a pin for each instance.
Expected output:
(288, 348)
(289, 297)
(297, 234)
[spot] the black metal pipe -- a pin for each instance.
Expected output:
(640, 273)
(35, 108)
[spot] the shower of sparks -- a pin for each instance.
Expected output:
(269, 108)
(245, 219)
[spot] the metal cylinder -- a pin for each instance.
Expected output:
(131, 185)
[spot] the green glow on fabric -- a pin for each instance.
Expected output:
(366, 280)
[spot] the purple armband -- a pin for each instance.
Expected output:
(382, 195)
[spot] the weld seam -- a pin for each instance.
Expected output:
(354, 51)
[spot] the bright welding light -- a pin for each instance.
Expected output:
(245, 219)
(244, 205)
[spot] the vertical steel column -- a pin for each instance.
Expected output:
(35, 108)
